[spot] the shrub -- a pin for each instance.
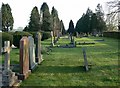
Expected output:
(17, 36)
(6, 37)
(112, 34)
(45, 35)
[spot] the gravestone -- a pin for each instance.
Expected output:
(38, 48)
(32, 63)
(52, 39)
(8, 77)
(71, 38)
(0, 75)
(85, 59)
(24, 59)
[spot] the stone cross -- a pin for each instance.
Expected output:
(85, 60)
(6, 50)
(24, 59)
(38, 48)
(8, 78)
(32, 62)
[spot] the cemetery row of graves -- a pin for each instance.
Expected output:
(70, 61)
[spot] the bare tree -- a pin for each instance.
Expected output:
(113, 16)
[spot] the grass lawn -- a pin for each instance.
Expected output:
(64, 66)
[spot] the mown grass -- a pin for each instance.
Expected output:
(64, 66)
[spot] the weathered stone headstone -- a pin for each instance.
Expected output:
(8, 77)
(38, 48)
(0, 75)
(52, 39)
(32, 63)
(71, 38)
(85, 59)
(24, 59)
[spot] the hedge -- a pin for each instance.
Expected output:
(17, 36)
(112, 34)
(6, 37)
(44, 35)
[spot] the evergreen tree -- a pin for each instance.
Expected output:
(101, 26)
(55, 21)
(79, 25)
(94, 21)
(26, 28)
(84, 23)
(71, 29)
(46, 18)
(63, 31)
(7, 18)
(34, 24)
(0, 21)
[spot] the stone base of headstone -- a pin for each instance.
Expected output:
(9, 78)
(39, 60)
(33, 67)
(24, 76)
(0, 76)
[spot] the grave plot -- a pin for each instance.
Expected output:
(64, 66)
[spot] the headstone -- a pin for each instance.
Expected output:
(71, 38)
(52, 39)
(32, 63)
(0, 75)
(24, 59)
(85, 60)
(8, 77)
(77, 34)
(38, 48)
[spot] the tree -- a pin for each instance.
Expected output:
(7, 18)
(84, 23)
(45, 17)
(26, 28)
(34, 24)
(71, 29)
(101, 25)
(0, 21)
(113, 16)
(63, 31)
(79, 25)
(55, 21)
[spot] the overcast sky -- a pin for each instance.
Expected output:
(67, 9)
